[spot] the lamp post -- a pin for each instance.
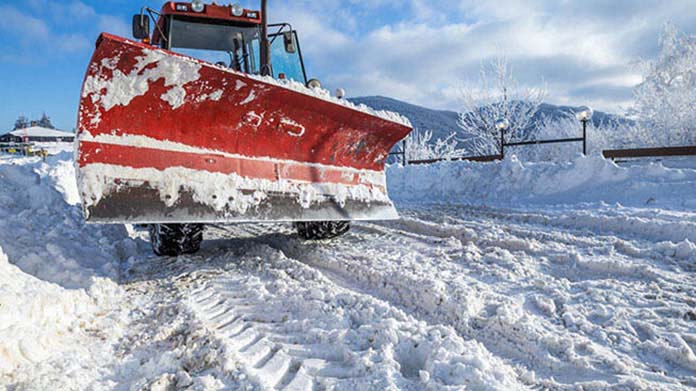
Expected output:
(403, 157)
(502, 124)
(584, 115)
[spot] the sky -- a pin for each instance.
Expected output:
(423, 52)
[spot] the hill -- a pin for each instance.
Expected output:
(443, 122)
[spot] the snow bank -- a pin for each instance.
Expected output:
(513, 183)
(40, 320)
(60, 305)
(42, 229)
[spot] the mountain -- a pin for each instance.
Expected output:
(599, 117)
(443, 122)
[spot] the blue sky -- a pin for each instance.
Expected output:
(415, 50)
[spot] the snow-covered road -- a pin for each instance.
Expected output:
(452, 296)
(449, 297)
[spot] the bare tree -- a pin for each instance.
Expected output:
(497, 96)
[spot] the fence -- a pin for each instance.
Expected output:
(615, 154)
(501, 156)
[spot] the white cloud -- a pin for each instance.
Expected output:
(582, 49)
(19, 24)
(50, 27)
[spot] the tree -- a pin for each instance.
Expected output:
(497, 96)
(419, 146)
(666, 98)
(45, 122)
(21, 123)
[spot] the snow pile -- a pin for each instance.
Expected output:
(513, 183)
(59, 304)
(40, 320)
(42, 229)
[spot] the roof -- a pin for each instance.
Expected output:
(37, 131)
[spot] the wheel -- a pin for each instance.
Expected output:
(176, 239)
(321, 230)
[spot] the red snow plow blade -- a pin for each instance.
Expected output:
(166, 138)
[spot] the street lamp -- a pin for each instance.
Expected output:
(584, 115)
(502, 124)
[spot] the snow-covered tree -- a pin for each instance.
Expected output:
(45, 122)
(497, 95)
(666, 99)
(420, 146)
(22, 122)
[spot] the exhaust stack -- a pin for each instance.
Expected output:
(265, 55)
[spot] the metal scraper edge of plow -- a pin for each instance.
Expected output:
(127, 195)
(117, 208)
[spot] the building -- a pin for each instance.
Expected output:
(37, 134)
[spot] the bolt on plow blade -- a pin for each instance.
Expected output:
(167, 138)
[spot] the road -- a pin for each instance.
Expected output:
(445, 298)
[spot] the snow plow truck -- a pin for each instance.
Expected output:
(208, 118)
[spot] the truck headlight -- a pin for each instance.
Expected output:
(198, 6)
(314, 84)
(237, 10)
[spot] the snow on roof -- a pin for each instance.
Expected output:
(37, 131)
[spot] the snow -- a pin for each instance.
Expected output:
(37, 131)
(498, 276)
(54, 148)
(177, 71)
(120, 89)
(512, 183)
(326, 96)
(57, 279)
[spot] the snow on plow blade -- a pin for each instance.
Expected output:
(166, 138)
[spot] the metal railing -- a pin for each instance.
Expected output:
(649, 152)
(501, 156)
(401, 153)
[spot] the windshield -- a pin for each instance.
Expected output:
(287, 63)
(230, 46)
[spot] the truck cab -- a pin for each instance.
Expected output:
(226, 35)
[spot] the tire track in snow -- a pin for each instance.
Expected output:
(490, 318)
(628, 223)
(293, 329)
(536, 240)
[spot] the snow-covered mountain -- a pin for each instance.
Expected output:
(443, 122)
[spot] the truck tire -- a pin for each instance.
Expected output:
(321, 230)
(175, 239)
